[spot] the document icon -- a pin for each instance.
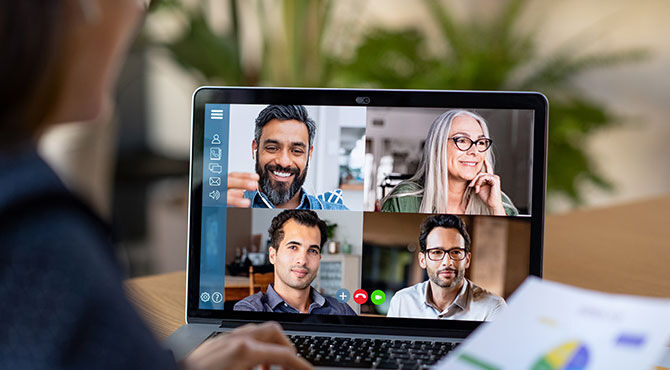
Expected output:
(214, 181)
(215, 154)
(215, 168)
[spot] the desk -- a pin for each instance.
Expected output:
(160, 299)
(622, 249)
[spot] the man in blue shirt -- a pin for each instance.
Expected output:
(282, 147)
(297, 237)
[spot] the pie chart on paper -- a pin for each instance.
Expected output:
(571, 355)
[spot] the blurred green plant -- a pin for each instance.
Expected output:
(292, 33)
(493, 54)
(331, 227)
(479, 53)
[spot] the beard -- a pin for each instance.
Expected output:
(280, 193)
(434, 276)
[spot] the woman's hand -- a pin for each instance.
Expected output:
(487, 186)
(245, 348)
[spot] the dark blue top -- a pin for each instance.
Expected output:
(328, 200)
(62, 303)
(273, 302)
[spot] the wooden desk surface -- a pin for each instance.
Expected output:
(161, 300)
(622, 249)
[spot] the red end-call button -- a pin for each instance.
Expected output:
(360, 296)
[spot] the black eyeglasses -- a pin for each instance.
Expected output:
(464, 143)
(437, 254)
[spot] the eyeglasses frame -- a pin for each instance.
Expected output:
(446, 253)
(487, 140)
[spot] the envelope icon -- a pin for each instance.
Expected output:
(214, 181)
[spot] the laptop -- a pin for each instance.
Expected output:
(378, 227)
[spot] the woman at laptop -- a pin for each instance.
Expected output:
(62, 303)
(455, 174)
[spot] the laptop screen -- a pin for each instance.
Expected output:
(369, 211)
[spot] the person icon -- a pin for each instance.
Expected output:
(216, 140)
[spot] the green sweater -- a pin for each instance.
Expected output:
(412, 203)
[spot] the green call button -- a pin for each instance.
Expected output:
(378, 297)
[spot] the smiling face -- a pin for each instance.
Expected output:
(298, 256)
(282, 156)
(446, 273)
(464, 165)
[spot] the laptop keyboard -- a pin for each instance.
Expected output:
(370, 353)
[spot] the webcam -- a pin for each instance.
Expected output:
(363, 100)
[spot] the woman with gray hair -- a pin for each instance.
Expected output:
(455, 174)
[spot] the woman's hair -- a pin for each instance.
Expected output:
(31, 45)
(432, 175)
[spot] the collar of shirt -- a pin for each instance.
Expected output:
(260, 200)
(461, 301)
(275, 300)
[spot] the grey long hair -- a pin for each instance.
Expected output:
(432, 174)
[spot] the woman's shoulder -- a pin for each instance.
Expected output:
(405, 197)
(61, 256)
(56, 227)
(510, 209)
(406, 187)
(38, 212)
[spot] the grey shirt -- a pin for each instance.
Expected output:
(471, 303)
(273, 302)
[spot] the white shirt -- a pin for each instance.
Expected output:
(471, 303)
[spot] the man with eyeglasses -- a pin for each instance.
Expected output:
(447, 294)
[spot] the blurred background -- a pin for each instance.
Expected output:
(602, 64)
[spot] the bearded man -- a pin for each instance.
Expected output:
(282, 147)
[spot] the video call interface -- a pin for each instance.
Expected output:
(370, 211)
